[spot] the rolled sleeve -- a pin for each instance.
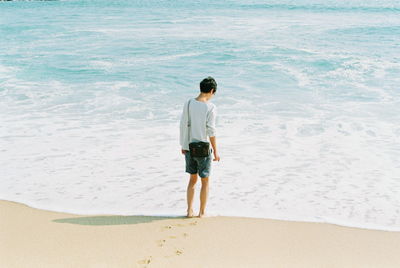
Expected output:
(211, 118)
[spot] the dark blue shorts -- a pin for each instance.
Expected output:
(200, 165)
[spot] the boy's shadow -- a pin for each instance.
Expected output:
(115, 220)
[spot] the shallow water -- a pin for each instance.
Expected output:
(308, 102)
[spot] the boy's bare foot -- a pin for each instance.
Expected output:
(201, 215)
(189, 213)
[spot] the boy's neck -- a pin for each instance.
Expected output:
(204, 97)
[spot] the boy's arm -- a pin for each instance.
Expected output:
(211, 131)
(183, 128)
(213, 142)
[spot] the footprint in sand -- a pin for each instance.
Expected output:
(185, 234)
(145, 261)
(177, 252)
(193, 223)
(166, 227)
(161, 242)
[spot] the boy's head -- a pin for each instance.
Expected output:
(208, 85)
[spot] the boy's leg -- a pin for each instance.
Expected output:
(203, 196)
(190, 194)
(204, 173)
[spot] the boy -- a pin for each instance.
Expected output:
(202, 124)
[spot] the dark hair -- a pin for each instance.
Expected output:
(207, 84)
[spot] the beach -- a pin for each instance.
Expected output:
(308, 107)
(307, 129)
(39, 238)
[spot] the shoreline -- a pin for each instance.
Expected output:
(371, 227)
(56, 239)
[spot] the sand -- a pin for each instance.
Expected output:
(32, 238)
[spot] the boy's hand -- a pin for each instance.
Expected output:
(216, 157)
(183, 151)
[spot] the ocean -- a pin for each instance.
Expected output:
(308, 102)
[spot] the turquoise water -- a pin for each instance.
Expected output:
(308, 106)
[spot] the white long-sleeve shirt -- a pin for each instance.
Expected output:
(202, 122)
